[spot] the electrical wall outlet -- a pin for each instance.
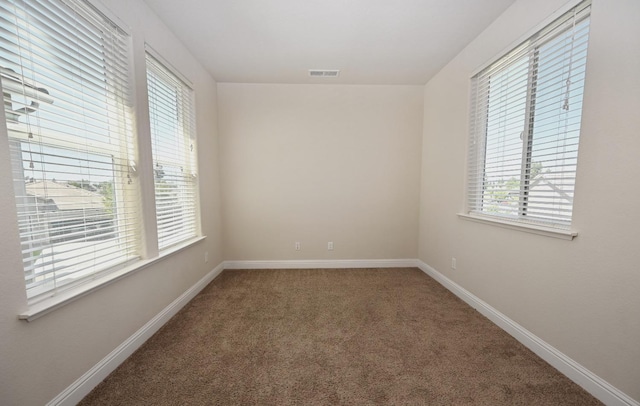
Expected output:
(453, 263)
(297, 245)
(330, 246)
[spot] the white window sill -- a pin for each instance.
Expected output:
(48, 305)
(524, 227)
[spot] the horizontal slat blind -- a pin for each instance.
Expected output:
(525, 125)
(64, 69)
(171, 112)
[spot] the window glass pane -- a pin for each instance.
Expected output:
(556, 128)
(173, 146)
(525, 126)
(506, 111)
(67, 217)
(65, 91)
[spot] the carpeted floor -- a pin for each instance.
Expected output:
(333, 337)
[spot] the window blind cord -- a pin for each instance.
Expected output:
(567, 95)
(24, 90)
(565, 105)
(27, 120)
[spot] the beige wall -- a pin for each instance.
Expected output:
(581, 296)
(342, 163)
(40, 359)
(319, 163)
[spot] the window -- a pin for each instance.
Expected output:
(171, 112)
(65, 86)
(525, 125)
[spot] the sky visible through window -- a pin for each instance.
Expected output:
(551, 80)
(170, 109)
(68, 123)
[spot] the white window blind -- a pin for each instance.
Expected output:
(171, 112)
(65, 87)
(525, 125)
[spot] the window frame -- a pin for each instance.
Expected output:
(186, 110)
(57, 142)
(138, 155)
(475, 168)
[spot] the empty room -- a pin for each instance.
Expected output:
(412, 202)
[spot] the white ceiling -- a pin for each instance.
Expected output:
(370, 41)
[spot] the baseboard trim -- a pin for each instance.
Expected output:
(322, 264)
(90, 379)
(591, 382)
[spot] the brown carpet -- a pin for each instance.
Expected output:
(333, 337)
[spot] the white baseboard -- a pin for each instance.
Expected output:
(591, 382)
(90, 379)
(322, 264)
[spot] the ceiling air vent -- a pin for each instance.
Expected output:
(324, 73)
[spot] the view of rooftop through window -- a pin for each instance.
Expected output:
(64, 81)
(526, 126)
